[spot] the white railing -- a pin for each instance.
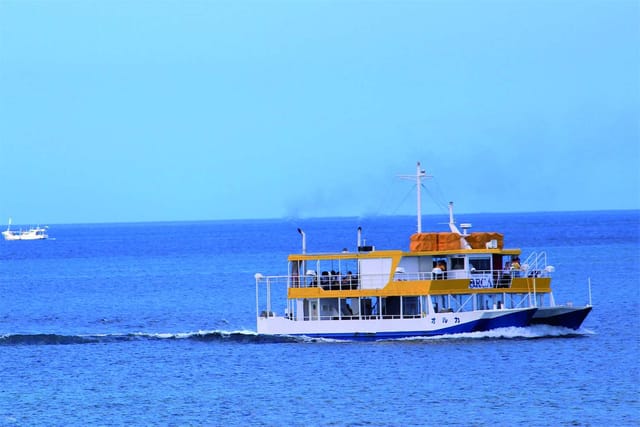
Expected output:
(499, 278)
(276, 287)
(478, 279)
(536, 264)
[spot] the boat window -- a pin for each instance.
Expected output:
(391, 307)
(368, 307)
(349, 308)
(480, 264)
(440, 304)
(457, 263)
(425, 304)
(490, 301)
(336, 268)
(410, 307)
(516, 300)
(463, 302)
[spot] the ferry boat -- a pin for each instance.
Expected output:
(34, 233)
(448, 282)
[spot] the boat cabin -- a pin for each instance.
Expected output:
(390, 284)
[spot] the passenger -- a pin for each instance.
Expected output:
(335, 280)
(505, 275)
(347, 281)
(443, 269)
(515, 266)
(324, 280)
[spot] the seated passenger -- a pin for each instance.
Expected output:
(348, 281)
(335, 280)
(325, 282)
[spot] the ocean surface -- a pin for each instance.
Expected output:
(154, 324)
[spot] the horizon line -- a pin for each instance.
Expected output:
(289, 218)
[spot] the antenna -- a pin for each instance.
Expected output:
(420, 173)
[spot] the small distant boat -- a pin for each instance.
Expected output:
(34, 233)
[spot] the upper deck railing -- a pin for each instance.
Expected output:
(478, 279)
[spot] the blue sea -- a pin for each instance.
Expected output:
(154, 324)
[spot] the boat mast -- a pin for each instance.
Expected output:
(420, 173)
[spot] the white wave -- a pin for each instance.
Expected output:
(319, 339)
(187, 335)
(534, 331)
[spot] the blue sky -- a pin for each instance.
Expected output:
(195, 110)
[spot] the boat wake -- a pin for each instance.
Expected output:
(201, 336)
(251, 337)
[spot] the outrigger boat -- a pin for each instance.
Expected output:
(34, 233)
(451, 282)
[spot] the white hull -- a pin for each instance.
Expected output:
(23, 236)
(376, 328)
(32, 234)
